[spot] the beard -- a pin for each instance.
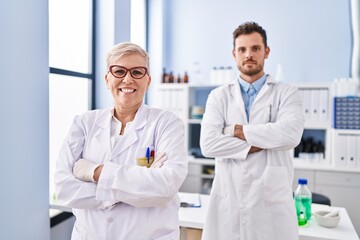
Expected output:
(251, 71)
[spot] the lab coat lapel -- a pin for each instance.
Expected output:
(264, 89)
(131, 132)
(239, 102)
(102, 134)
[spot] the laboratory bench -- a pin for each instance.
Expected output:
(194, 218)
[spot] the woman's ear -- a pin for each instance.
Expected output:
(106, 81)
(148, 83)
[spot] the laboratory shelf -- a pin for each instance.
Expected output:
(317, 125)
(203, 161)
(194, 121)
(298, 165)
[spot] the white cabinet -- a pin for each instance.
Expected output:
(315, 145)
(341, 147)
(187, 101)
(200, 176)
(346, 149)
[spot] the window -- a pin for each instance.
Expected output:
(138, 23)
(71, 80)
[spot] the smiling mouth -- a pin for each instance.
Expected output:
(127, 90)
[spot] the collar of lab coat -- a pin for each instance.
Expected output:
(236, 92)
(235, 85)
(138, 122)
(269, 81)
(104, 123)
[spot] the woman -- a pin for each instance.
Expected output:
(120, 168)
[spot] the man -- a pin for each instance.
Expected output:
(248, 127)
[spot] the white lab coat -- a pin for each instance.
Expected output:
(147, 203)
(251, 196)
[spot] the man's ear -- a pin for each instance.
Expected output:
(267, 52)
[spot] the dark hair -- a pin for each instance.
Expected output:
(248, 28)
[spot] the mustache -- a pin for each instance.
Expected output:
(249, 61)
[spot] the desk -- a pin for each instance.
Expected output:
(195, 218)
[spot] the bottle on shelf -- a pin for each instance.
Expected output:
(165, 76)
(303, 200)
(171, 77)
(178, 80)
(186, 78)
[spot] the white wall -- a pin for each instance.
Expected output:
(24, 135)
(310, 38)
(156, 25)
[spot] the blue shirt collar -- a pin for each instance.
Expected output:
(257, 84)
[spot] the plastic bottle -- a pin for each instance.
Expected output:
(279, 76)
(228, 74)
(213, 76)
(303, 202)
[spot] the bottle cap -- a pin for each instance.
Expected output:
(302, 181)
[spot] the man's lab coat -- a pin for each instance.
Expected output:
(251, 196)
(146, 202)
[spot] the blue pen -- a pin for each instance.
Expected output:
(148, 155)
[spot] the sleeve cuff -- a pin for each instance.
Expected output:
(229, 130)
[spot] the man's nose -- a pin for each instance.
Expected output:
(248, 54)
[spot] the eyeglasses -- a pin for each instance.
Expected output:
(135, 72)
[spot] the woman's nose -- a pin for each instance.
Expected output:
(127, 78)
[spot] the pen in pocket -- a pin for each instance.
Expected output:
(148, 155)
(270, 109)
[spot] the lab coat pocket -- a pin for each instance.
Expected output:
(78, 233)
(170, 236)
(145, 156)
(276, 187)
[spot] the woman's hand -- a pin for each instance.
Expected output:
(159, 160)
(85, 170)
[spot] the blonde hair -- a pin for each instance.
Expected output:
(123, 49)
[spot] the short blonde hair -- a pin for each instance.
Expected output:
(123, 49)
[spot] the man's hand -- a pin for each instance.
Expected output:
(255, 149)
(229, 130)
(84, 170)
(236, 130)
(159, 160)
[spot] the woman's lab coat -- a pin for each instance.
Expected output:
(146, 198)
(251, 196)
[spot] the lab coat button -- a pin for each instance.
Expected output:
(241, 206)
(245, 171)
(243, 222)
(110, 220)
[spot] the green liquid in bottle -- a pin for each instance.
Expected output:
(303, 204)
(302, 219)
